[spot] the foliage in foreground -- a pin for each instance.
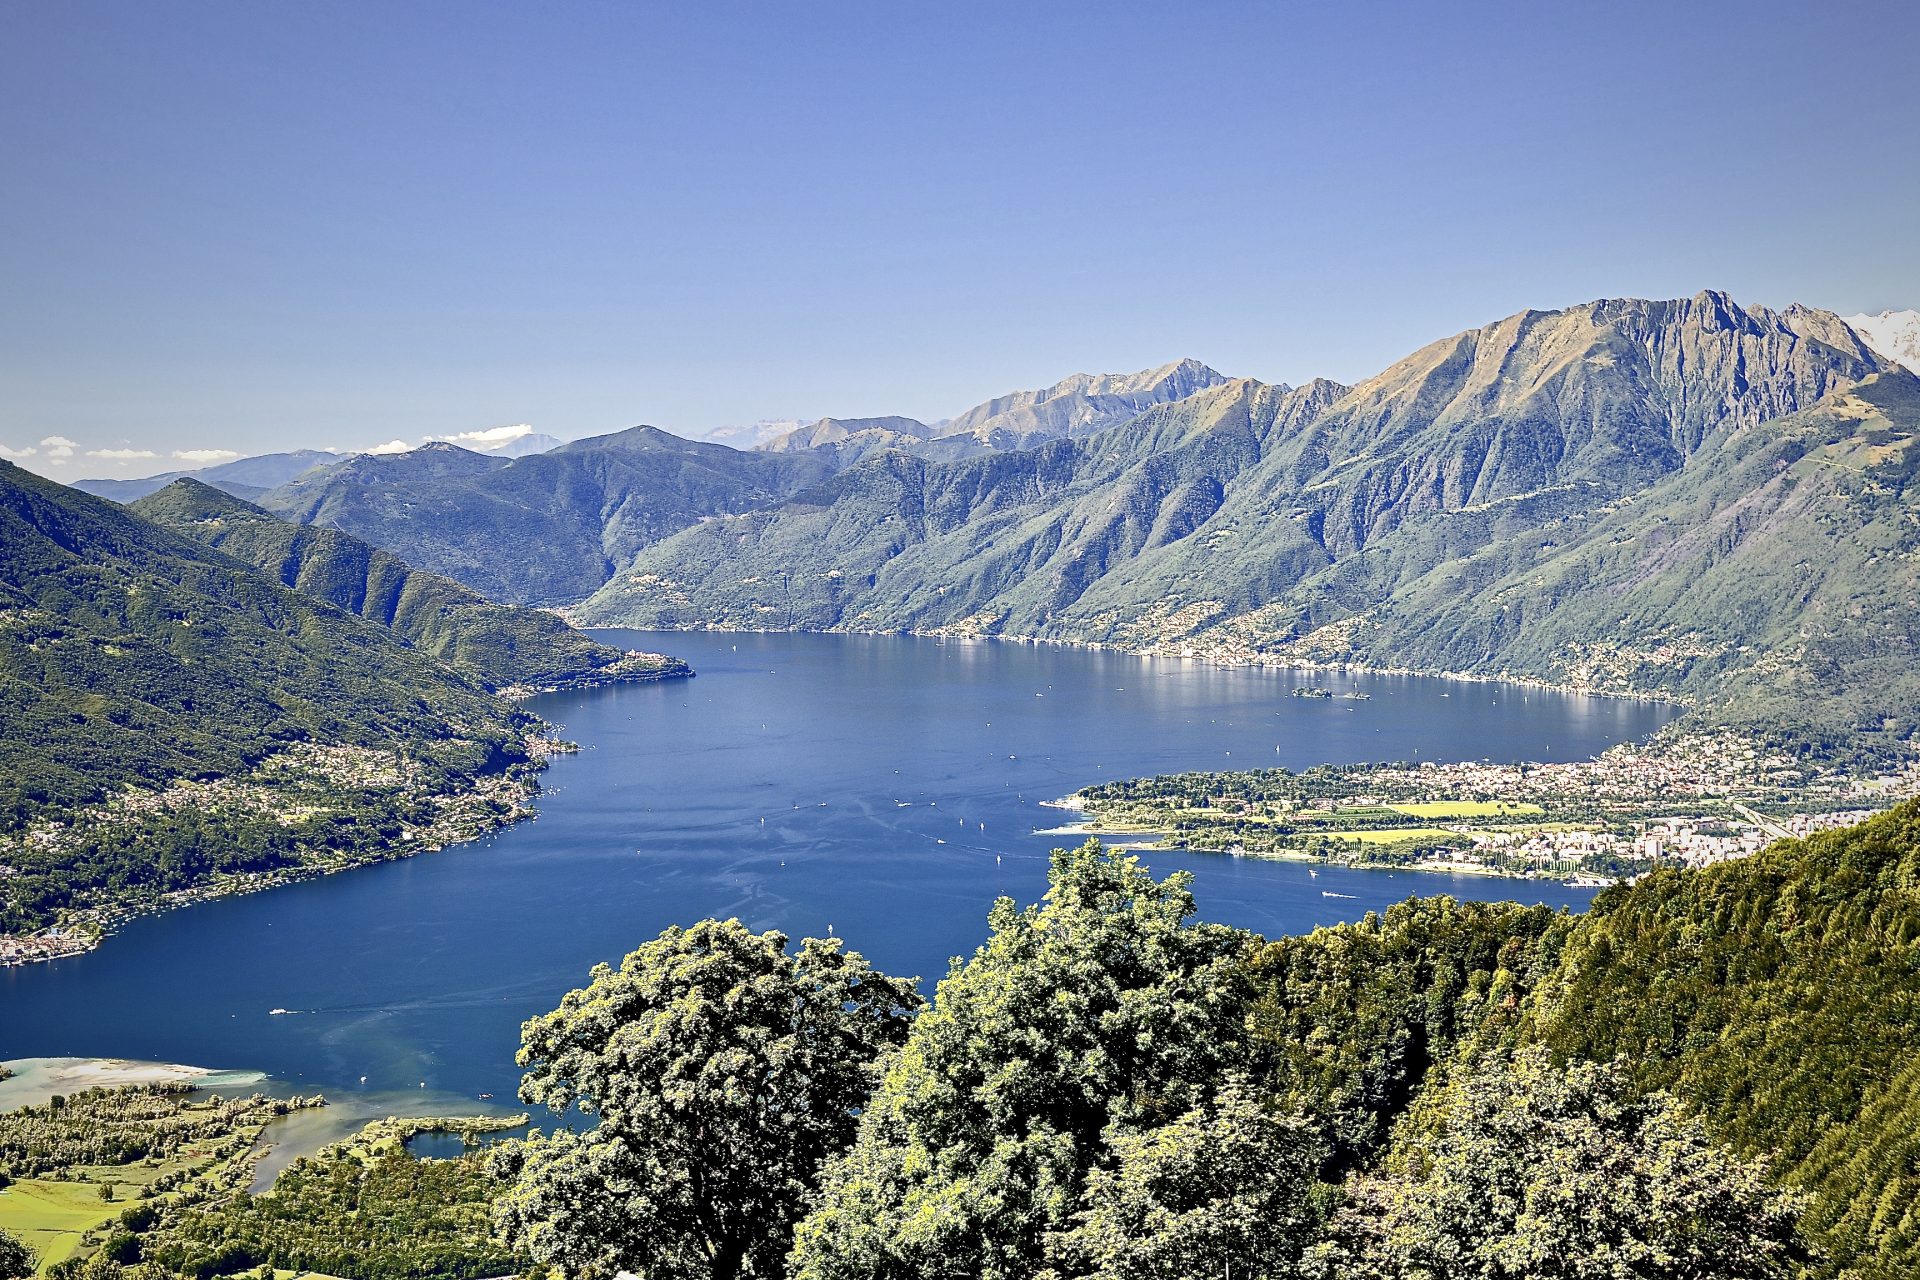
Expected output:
(16, 1260)
(1778, 995)
(1711, 1074)
(1104, 1011)
(1109, 1088)
(1517, 1167)
(721, 1071)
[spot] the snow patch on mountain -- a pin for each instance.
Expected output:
(1894, 334)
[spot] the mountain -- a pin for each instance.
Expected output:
(132, 653)
(1000, 542)
(1775, 579)
(499, 645)
(849, 440)
(1894, 334)
(243, 477)
(1081, 405)
(549, 528)
(1244, 517)
(169, 715)
(527, 445)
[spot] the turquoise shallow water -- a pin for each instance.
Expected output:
(886, 789)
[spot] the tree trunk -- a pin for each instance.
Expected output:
(727, 1257)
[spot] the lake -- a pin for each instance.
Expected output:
(883, 789)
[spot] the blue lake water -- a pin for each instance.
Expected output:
(886, 789)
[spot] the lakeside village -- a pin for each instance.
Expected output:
(296, 787)
(1691, 801)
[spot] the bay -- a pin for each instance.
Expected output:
(884, 789)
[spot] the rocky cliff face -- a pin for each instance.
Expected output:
(1776, 577)
(1613, 394)
(1003, 542)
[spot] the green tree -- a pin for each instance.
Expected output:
(1103, 1010)
(16, 1259)
(1222, 1190)
(722, 1071)
(1520, 1168)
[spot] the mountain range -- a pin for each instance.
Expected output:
(243, 477)
(545, 529)
(253, 476)
(1082, 405)
(1339, 524)
(1178, 510)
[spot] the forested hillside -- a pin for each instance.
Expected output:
(133, 654)
(500, 645)
(236, 725)
(1780, 996)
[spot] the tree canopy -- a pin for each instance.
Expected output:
(1105, 1010)
(16, 1259)
(1519, 1168)
(722, 1071)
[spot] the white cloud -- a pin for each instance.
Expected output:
(492, 437)
(205, 457)
(58, 448)
(392, 446)
(27, 452)
(121, 455)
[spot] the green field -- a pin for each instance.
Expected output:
(1465, 809)
(52, 1216)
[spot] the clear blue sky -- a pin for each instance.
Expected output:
(267, 225)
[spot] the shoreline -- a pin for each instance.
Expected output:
(90, 927)
(33, 1081)
(671, 668)
(1162, 844)
(1217, 659)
